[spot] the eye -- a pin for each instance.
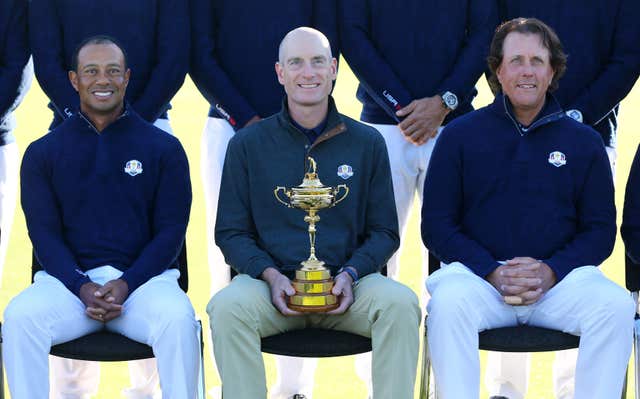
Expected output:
(90, 71)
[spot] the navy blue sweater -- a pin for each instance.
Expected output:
(630, 228)
(83, 209)
(408, 49)
(493, 191)
(255, 231)
(601, 38)
(154, 33)
(14, 54)
(235, 47)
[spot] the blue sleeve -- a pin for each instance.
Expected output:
(235, 231)
(172, 59)
(14, 58)
(630, 228)
(44, 220)
(617, 78)
(443, 210)
(325, 19)
(47, 47)
(206, 72)
(170, 218)
(369, 66)
(381, 226)
(471, 61)
(596, 220)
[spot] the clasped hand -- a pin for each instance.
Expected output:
(522, 280)
(104, 302)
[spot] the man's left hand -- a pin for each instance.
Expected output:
(114, 291)
(526, 267)
(342, 288)
(423, 117)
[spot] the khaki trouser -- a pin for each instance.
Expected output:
(384, 310)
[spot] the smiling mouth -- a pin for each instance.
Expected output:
(103, 93)
(309, 85)
(527, 86)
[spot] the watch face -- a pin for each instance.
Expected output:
(450, 100)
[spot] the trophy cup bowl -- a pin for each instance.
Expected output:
(313, 282)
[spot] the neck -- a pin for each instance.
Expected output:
(308, 116)
(99, 120)
(526, 115)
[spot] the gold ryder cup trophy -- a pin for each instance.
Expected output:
(313, 282)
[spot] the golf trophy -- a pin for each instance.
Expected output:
(313, 282)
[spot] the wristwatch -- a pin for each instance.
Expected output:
(449, 100)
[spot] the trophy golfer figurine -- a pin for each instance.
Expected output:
(313, 281)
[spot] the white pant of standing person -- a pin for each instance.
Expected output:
(584, 303)
(78, 379)
(158, 313)
(508, 372)
(295, 375)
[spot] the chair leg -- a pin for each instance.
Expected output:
(202, 392)
(636, 357)
(1, 369)
(425, 369)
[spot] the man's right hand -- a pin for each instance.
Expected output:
(518, 283)
(280, 287)
(97, 307)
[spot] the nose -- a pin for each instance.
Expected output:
(307, 70)
(101, 77)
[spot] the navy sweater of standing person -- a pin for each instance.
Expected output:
(415, 49)
(232, 65)
(630, 228)
(154, 34)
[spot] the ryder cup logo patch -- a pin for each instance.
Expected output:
(345, 171)
(557, 159)
(133, 167)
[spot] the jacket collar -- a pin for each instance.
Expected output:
(550, 112)
(335, 125)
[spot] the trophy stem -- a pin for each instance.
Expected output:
(312, 262)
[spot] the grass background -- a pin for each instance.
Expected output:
(335, 378)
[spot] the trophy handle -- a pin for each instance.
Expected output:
(276, 191)
(337, 190)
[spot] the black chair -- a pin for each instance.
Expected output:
(106, 346)
(506, 339)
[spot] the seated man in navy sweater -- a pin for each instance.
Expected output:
(519, 206)
(265, 241)
(106, 198)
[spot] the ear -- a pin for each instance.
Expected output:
(280, 73)
(334, 69)
(73, 78)
(127, 75)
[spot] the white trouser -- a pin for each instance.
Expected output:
(584, 303)
(158, 313)
(508, 372)
(77, 379)
(295, 375)
(9, 161)
(408, 170)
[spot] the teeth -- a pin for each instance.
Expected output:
(309, 86)
(103, 93)
(527, 86)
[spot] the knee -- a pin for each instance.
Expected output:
(451, 299)
(401, 303)
(228, 308)
(176, 315)
(19, 315)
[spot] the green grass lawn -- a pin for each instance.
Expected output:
(335, 378)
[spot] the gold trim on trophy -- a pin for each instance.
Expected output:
(313, 282)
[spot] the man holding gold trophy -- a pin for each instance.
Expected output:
(344, 169)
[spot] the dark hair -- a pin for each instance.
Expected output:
(97, 39)
(533, 26)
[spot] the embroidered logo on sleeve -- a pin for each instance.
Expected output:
(345, 171)
(133, 167)
(557, 159)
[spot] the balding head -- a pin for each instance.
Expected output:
(305, 36)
